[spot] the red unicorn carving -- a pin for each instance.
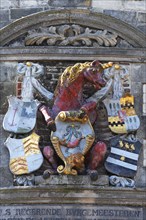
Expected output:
(69, 95)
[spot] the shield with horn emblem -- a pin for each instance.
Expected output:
(25, 155)
(73, 138)
(123, 157)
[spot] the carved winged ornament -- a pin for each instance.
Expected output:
(72, 35)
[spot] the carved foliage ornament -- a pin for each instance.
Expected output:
(73, 35)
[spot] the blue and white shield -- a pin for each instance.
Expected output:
(123, 157)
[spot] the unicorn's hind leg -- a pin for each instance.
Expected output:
(96, 158)
(50, 156)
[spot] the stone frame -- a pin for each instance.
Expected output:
(73, 194)
(76, 16)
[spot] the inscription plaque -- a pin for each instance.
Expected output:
(69, 212)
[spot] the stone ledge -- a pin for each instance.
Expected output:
(66, 191)
(72, 53)
(103, 180)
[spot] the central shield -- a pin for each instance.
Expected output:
(72, 140)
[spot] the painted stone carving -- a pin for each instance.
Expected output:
(21, 115)
(123, 157)
(122, 117)
(96, 156)
(25, 155)
(24, 180)
(21, 119)
(121, 181)
(71, 119)
(68, 95)
(128, 114)
(73, 138)
(70, 103)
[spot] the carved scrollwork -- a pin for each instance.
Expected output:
(71, 35)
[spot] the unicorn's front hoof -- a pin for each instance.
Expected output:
(93, 175)
(46, 174)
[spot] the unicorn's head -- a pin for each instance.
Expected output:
(93, 73)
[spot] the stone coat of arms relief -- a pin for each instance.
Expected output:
(71, 121)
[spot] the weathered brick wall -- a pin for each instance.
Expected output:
(11, 10)
(132, 12)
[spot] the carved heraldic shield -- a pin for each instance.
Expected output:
(72, 140)
(21, 116)
(25, 155)
(123, 157)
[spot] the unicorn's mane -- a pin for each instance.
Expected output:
(71, 73)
